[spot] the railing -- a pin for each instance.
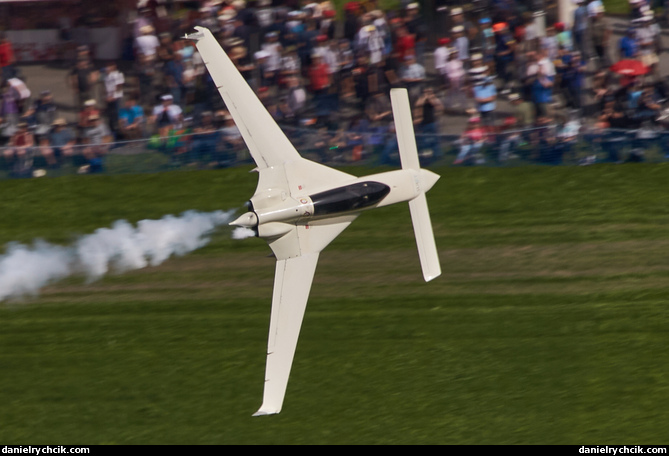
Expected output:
(547, 145)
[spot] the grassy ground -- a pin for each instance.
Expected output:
(548, 326)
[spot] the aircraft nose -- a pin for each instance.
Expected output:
(427, 179)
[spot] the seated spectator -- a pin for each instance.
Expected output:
(233, 142)
(471, 142)
(20, 145)
(647, 108)
(58, 144)
(131, 120)
(545, 141)
(87, 114)
(508, 139)
(205, 139)
(166, 116)
(42, 114)
(96, 139)
(523, 111)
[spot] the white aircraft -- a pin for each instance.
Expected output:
(300, 206)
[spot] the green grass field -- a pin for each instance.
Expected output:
(550, 324)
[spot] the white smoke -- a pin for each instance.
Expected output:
(241, 232)
(24, 270)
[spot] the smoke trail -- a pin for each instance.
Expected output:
(242, 232)
(24, 270)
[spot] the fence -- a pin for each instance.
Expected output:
(548, 145)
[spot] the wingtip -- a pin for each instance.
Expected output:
(431, 276)
(263, 412)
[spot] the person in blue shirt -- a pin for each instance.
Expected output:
(628, 46)
(542, 93)
(131, 120)
(485, 95)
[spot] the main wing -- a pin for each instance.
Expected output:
(297, 256)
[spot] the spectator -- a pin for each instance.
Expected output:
(574, 79)
(273, 48)
(131, 120)
(320, 79)
(206, 139)
(296, 97)
(416, 26)
(600, 33)
(86, 115)
(174, 78)
(646, 39)
(471, 142)
(485, 96)
(96, 141)
(167, 115)
(413, 75)
(82, 80)
(405, 43)
(523, 111)
(58, 144)
(628, 47)
(370, 41)
(379, 111)
(580, 28)
(504, 53)
(7, 58)
(461, 44)
(20, 145)
(441, 56)
(42, 114)
(563, 36)
(9, 110)
(147, 43)
(455, 75)
(428, 108)
(113, 82)
(542, 87)
(231, 136)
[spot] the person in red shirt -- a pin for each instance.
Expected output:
(7, 58)
(319, 75)
(405, 43)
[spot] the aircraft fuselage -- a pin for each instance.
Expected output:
(361, 194)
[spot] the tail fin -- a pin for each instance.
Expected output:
(406, 139)
(420, 215)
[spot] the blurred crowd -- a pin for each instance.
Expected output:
(521, 80)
